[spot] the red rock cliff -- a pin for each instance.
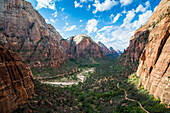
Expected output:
(131, 55)
(82, 46)
(16, 84)
(154, 65)
(24, 30)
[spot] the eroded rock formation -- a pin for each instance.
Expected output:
(132, 54)
(24, 30)
(82, 46)
(107, 51)
(154, 65)
(16, 84)
(118, 51)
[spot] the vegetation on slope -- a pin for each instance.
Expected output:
(69, 67)
(99, 93)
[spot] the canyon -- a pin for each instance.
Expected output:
(26, 40)
(24, 30)
(149, 54)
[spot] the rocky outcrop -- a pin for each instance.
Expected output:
(113, 52)
(154, 65)
(16, 84)
(24, 30)
(131, 55)
(118, 51)
(82, 46)
(107, 51)
(69, 47)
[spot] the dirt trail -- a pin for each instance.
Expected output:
(79, 75)
(131, 99)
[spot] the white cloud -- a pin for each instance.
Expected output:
(46, 20)
(82, 1)
(91, 25)
(106, 28)
(129, 16)
(64, 17)
(111, 16)
(140, 8)
(55, 14)
(52, 20)
(118, 36)
(106, 5)
(125, 2)
(114, 36)
(89, 6)
(46, 4)
(124, 12)
(142, 19)
(76, 4)
(70, 28)
(147, 4)
(81, 20)
(65, 26)
(116, 18)
(101, 37)
(62, 9)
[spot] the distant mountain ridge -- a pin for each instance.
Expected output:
(83, 46)
(118, 51)
(108, 51)
(24, 30)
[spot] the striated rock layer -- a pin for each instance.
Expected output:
(16, 84)
(82, 46)
(130, 56)
(154, 65)
(24, 30)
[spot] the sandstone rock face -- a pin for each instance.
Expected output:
(141, 37)
(82, 46)
(16, 84)
(154, 65)
(130, 56)
(107, 51)
(69, 47)
(24, 30)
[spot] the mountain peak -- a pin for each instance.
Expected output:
(78, 38)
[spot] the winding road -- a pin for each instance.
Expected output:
(131, 99)
(81, 77)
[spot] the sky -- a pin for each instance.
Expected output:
(112, 22)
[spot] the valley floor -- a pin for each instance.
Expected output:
(106, 90)
(80, 78)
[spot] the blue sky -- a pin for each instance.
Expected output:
(112, 22)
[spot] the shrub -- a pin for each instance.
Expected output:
(81, 97)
